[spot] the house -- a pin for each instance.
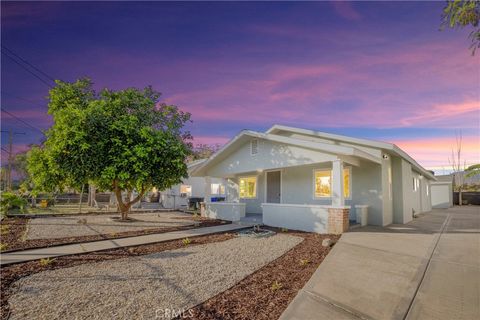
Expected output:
(442, 192)
(178, 196)
(314, 181)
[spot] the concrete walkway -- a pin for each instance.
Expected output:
(69, 249)
(427, 269)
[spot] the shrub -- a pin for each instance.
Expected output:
(304, 262)
(3, 246)
(12, 201)
(276, 286)
(186, 241)
(46, 261)
(284, 230)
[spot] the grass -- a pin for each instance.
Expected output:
(186, 241)
(46, 261)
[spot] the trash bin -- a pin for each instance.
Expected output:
(362, 214)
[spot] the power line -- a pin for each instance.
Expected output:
(28, 63)
(26, 69)
(22, 121)
(20, 98)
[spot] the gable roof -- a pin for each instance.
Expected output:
(312, 145)
(364, 142)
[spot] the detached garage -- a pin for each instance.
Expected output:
(442, 193)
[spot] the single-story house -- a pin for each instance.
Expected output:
(314, 181)
(177, 197)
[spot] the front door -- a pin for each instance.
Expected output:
(273, 186)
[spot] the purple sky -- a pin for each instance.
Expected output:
(378, 70)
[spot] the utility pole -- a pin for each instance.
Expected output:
(10, 157)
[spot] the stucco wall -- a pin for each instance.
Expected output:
(270, 155)
(296, 217)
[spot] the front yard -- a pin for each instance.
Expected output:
(23, 233)
(215, 276)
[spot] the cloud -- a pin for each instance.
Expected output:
(436, 152)
(345, 10)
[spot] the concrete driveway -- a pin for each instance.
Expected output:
(427, 269)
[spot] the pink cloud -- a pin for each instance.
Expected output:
(211, 140)
(436, 152)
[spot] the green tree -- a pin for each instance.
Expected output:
(473, 170)
(204, 151)
(123, 141)
(462, 13)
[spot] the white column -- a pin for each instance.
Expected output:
(232, 190)
(208, 189)
(338, 198)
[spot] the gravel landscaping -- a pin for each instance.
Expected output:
(137, 287)
(86, 225)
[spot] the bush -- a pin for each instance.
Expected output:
(12, 201)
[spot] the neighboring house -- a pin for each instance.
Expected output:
(178, 196)
(308, 180)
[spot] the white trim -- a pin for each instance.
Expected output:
(281, 184)
(256, 187)
(349, 168)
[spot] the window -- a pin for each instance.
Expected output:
(248, 187)
(254, 147)
(323, 183)
(186, 190)
(416, 184)
(217, 188)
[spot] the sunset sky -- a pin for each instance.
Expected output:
(377, 70)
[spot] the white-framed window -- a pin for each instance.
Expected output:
(248, 187)
(217, 188)
(185, 190)
(323, 183)
(416, 184)
(254, 147)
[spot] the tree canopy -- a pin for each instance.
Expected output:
(462, 13)
(122, 140)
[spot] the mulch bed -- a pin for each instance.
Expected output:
(17, 227)
(11, 232)
(255, 298)
(10, 274)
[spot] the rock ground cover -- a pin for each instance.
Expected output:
(87, 225)
(19, 229)
(141, 286)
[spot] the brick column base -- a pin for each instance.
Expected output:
(338, 220)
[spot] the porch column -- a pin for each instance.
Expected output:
(208, 189)
(338, 198)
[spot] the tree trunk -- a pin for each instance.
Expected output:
(124, 207)
(80, 202)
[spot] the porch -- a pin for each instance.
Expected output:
(293, 184)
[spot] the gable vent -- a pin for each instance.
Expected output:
(254, 146)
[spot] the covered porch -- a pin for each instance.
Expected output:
(288, 186)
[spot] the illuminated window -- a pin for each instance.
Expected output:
(248, 187)
(323, 183)
(217, 188)
(186, 190)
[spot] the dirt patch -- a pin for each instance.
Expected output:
(17, 226)
(10, 274)
(266, 293)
